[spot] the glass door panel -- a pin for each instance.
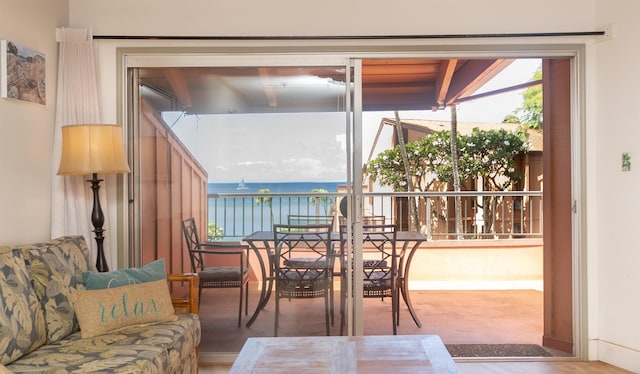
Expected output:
(278, 121)
(240, 148)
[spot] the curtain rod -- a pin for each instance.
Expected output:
(356, 37)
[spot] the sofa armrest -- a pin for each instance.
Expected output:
(188, 303)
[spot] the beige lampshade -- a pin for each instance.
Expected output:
(88, 149)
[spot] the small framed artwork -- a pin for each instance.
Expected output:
(22, 73)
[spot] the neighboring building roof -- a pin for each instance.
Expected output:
(465, 128)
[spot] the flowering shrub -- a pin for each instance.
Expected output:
(489, 154)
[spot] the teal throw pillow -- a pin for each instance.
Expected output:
(150, 272)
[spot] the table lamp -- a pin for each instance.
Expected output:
(91, 150)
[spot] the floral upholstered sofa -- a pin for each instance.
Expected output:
(51, 322)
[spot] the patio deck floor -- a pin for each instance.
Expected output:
(457, 316)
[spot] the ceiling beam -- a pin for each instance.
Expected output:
(473, 75)
(443, 80)
(500, 91)
(179, 85)
(267, 86)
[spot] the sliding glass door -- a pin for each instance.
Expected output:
(240, 145)
(242, 141)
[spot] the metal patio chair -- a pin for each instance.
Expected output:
(302, 264)
(233, 276)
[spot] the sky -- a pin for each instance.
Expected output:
(254, 148)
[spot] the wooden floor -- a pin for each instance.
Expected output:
(577, 367)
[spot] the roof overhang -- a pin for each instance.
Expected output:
(387, 84)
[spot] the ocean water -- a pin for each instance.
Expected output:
(238, 216)
(281, 187)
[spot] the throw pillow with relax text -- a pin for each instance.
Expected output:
(109, 309)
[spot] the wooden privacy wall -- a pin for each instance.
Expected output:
(557, 205)
(173, 186)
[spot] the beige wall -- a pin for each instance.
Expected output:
(605, 81)
(330, 17)
(477, 264)
(26, 129)
(614, 247)
(608, 246)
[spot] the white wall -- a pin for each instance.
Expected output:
(617, 130)
(330, 17)
(26, 129)
(611, 82)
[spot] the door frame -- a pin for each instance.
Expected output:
(169, 54)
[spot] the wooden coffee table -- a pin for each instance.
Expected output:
(395, 354)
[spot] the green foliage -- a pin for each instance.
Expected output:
(489, 154)
(321, 201)
(425, 155)
(263, 199)
(214, 232)
(511, 118)
(530, 113)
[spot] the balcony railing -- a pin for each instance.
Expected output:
(495, 215)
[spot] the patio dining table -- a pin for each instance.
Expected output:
(410, 240)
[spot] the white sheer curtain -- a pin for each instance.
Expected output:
(76, 103)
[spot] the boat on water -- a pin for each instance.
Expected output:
(242, 185)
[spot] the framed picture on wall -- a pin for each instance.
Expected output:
(22, 73)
